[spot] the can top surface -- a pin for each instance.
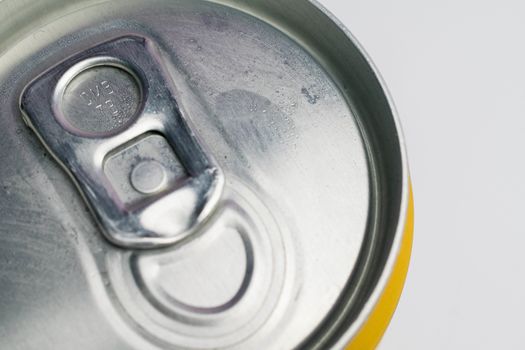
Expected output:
(249, 145)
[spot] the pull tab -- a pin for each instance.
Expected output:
(110, 119)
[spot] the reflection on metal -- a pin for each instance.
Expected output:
(93, 110)
(242, 162)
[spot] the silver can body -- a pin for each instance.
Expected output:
(195, 175)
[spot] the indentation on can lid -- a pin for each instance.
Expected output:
(205, 283)
(227, 283)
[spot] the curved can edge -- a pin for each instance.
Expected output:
(372, 331)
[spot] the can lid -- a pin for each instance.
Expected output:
(245, 170)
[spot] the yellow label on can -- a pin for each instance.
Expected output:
(372, 331)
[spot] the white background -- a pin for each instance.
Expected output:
(456, 71)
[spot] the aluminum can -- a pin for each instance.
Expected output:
(179, 174)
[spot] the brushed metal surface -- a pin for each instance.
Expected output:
(315, 185)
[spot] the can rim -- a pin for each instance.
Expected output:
(371, 332)
(395, 249)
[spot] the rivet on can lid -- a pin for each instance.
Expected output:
(148, 177)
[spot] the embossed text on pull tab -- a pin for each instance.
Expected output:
(110, 118)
